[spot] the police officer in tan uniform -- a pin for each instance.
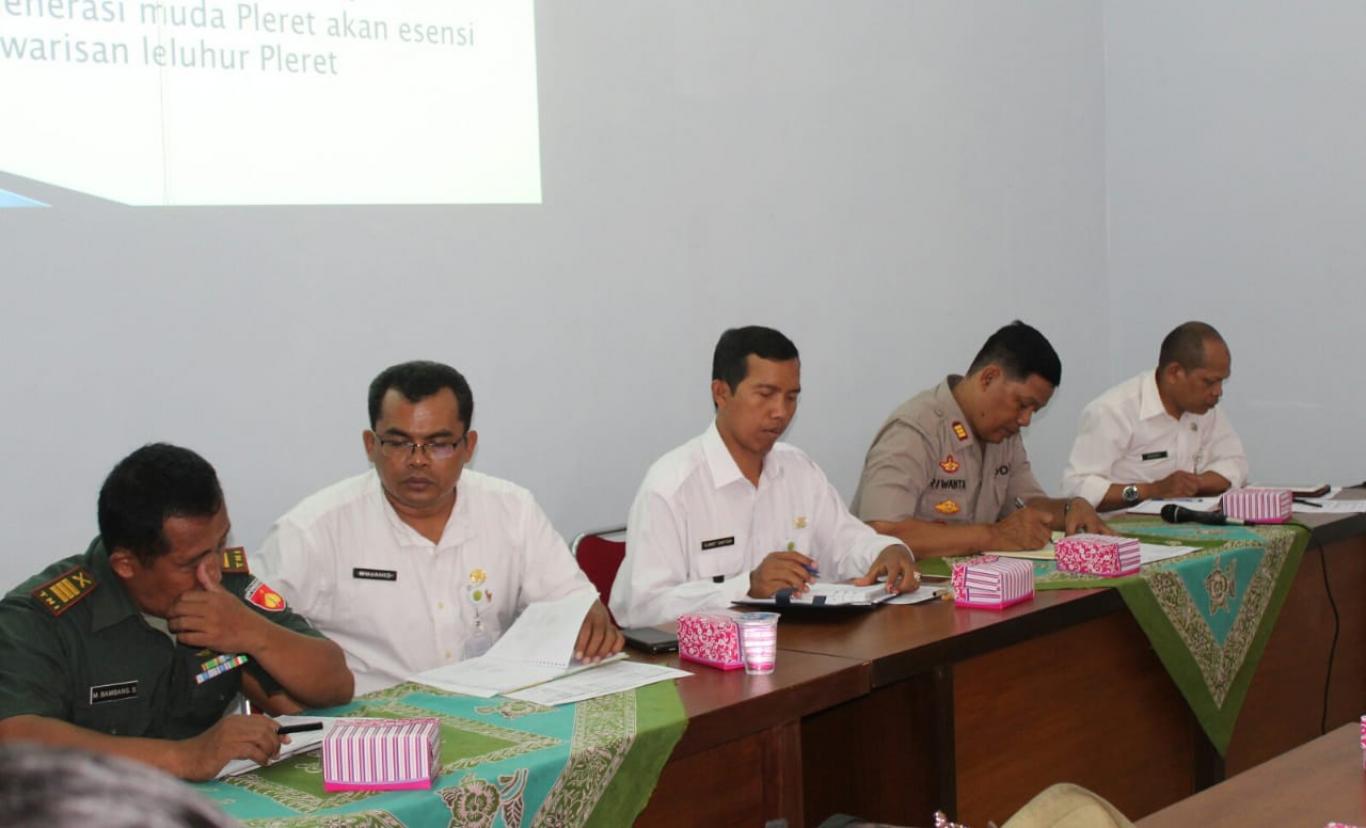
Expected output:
(948, 472)
(138, 647)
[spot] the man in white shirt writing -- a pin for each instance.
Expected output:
(735, 513)
(1159, 434)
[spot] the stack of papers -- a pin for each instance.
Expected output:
(610, 678)
(538, 647)
(533, 661)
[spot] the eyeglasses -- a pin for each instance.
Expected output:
(405, 449)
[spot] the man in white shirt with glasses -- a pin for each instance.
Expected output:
(421, 562)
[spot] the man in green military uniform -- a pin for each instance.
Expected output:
(137, 647)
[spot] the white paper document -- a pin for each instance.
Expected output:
(1197, 504)
(1045, 553)
(922, 595)
(538, 647)
(1153, 552)
(589, 684)
(298, 743)
(1328, 507)
(1300, 487)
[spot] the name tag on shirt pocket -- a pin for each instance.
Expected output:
(363, 573)
(718, 558)
(118, 691)
(1154, 455)
(117, 708)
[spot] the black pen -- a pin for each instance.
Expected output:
(1307, 502)
(299, 728)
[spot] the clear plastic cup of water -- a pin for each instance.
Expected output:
(758, 641)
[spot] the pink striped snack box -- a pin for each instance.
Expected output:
(992, 582)
(710, 638)
(1097, 555)
(381, 754)
(1257, 505)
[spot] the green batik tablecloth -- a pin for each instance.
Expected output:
(504, 764)
(1208, 614)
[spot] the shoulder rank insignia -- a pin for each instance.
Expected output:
(65, 591)
(960, 431)
(946, 507)
(235, 561)
(949, 464)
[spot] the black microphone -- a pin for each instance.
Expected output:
(1172, 513)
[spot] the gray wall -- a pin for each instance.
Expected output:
(1236, 181)
(886, 181)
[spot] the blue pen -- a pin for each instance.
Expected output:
(792, 547)
(811, 570)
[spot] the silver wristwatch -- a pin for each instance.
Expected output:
(1129, 493)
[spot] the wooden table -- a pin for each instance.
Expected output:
(975, 711)
(740, 760)
(1314, 784)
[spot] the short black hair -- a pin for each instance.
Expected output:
(735, 345)
(418, 380)
(1185, 345)
(156, 482)
(1020, 350)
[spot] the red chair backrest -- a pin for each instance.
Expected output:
(600, 558)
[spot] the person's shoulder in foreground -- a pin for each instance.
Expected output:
(734, 512)
(137, 647)
(421, 561)
(948, 472)
(1160, 434)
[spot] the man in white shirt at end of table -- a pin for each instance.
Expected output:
(1159, 434)
(735, 513)
(420, 561)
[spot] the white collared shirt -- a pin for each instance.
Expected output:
(698, 527)
(397, 603)
(1126, 436)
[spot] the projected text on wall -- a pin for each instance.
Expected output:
(272, 102)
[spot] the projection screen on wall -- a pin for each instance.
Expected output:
(208, 102)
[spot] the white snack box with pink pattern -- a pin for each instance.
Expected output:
(381, 754)
(1258, 505)
(710, 638)
(992, 582)
(1098, 555)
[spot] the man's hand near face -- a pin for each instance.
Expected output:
(598, 638)
(312, 671)
(781, 570)
(214, 618)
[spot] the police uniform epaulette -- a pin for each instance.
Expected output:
(65, 591)
(234, 561)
